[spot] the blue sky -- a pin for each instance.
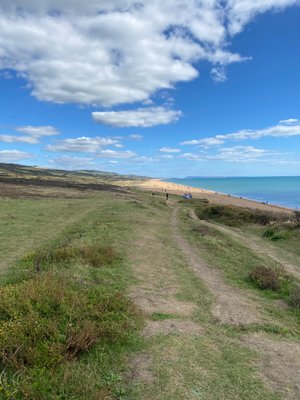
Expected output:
(172, 89)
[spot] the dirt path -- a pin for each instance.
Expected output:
(170, 326)
(252, 243)
(279, 364)
(157, 284)
(155, 291)
(231, 305)
(279, 360)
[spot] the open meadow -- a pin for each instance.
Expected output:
(109, 292)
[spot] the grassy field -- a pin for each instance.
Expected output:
(110, 294)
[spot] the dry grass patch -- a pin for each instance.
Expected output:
(279, 363)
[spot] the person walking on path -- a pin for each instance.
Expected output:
(167, 196)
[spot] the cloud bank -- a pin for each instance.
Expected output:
(11, 156)
(31, 134)
(140, 118)
(285, 128)
(119, 51)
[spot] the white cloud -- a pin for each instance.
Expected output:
(240, 12)
(82, 144)
(244, 154)
(72, 163)
(169, 150)
(241, 154)
(206, 142)
(11, 156)
(286, 128)
(38, 131)
(166, 157)
(115, 154)
(136, 137)
(218, 74)
(32, 134)
(192, 156)
(141, 117)
(120, 51)
(290, 121)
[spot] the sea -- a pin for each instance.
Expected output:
(282, 191)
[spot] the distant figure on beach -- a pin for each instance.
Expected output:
(167, 196)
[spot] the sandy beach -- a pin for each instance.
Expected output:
(160, 187)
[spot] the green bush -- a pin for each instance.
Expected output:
(266, 278)
(203, 230)
(50, 318)
(270, 232)
(235, 216)
(96, 255)
(297, 217)
(294, 298)
(274, 233)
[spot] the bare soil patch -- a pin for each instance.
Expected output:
(231, 304)
(140, 369)
(171, 326)
(151, 302)
(279, 364)
(158, 286)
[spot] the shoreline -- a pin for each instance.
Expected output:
(157, 185)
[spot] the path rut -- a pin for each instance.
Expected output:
(231, 304)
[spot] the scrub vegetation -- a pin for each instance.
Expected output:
(116, 294)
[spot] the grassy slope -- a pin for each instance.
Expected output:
(100, 220)
(27, 224)
(210, 366)
(236, 261)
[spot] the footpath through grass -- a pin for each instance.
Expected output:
(238, 263)
(183, 365)
(69, 330)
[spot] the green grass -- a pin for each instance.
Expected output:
(212, 367)
(27, 224)
(66, 331)
(237, 262)
(159, 316)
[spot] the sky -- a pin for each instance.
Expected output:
(169, 88)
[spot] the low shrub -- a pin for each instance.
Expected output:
(297, 217)
(266, 278)
(194, 202)
(294, 298)
(203, 230)
(49, 318)
(81, 337)
(274, 233)
(235, 216)
(270, 232)
(96, 255)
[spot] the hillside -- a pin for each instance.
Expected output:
(112, 293)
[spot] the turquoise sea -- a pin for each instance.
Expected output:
(282, 191)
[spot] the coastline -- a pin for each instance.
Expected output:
(159, 186)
